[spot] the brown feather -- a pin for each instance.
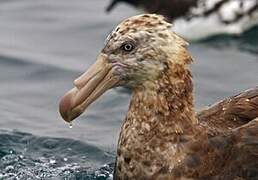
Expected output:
(232, 112)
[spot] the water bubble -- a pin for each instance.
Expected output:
(52, 161)
(9, 168)
(110, 177)
(101, 175)
(83, 157)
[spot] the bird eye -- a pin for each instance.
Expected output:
(128, 47)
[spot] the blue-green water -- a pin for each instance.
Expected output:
(44, 45)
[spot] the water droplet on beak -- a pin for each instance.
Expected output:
(70, 125)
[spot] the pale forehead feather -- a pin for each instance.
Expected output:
(143, 22)
(150, 24)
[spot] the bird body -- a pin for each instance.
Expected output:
(198, 19)
(162, 137)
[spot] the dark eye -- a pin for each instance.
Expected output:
(127, 47)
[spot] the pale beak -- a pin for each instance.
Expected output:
(88, 87)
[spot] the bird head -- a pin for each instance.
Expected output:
(135, 55)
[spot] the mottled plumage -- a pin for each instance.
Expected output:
(162, 137)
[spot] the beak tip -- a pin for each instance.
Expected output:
(64, 109)
(67, 108)
(66, 105)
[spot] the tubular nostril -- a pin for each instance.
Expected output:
(81, 80)
(77, 83)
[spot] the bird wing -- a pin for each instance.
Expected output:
(231, 113)
(233, 155)
(243, 161)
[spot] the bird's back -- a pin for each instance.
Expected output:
(232, 155)
(230, 113)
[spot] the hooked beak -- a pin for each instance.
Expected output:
(111, 5)
(88, 87)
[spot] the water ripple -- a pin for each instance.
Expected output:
(25, 156)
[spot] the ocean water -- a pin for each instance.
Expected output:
(44, 46)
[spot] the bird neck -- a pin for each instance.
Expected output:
(160, 120)
(168, 102)
(161, 116)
